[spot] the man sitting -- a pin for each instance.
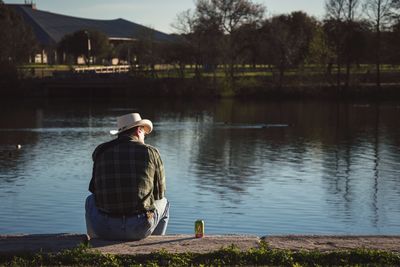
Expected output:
(128, 185)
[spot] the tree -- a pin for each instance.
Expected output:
(87, 43)
(230, 14)
(123, 51)
(210, 43)
(335, 9)
(17, 40)
(203, 38)
(214, 30)
(178, 53)
(247, 41)
(348, 40)
(380, 14)
(394, 43)
(351, 7)
(287, 40)
(333, 29)
(184, 24)
(396, 8)
(340, 21)
(320, 52)
(99, 45)
(147, 52)
(17, 45)
(226, 17)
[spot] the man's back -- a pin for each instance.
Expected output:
(123, 176)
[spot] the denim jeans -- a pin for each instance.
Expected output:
(136, 227)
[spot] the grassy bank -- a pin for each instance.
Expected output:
(265, 256)
(295, 85)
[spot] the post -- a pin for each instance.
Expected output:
(89, 47)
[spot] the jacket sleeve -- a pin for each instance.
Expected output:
(92, 182)
(159, 176)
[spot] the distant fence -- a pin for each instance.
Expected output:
(103, 69)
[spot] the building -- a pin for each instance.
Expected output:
(49, 28)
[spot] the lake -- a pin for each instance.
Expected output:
(254, 167)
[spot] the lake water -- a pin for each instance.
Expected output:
(253, 167)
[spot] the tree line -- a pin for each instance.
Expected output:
(228, 35)
(235, 32)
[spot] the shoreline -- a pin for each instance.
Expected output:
(98, 86)
(183, 243)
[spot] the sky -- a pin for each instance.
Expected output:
(158, 14)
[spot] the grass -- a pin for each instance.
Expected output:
(307, 81)
(82, 256)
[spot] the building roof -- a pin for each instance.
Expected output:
(49, 28)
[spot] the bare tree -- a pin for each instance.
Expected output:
(146, 51)
(335, 9)
(184, 22)
(214, 28)
(351, 7)
(202, 36)
(342, 15)
(380, 14)
(394, 44)
(334, 17)
(229, 16)
(396, 8)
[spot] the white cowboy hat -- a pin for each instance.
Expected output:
(128, 121)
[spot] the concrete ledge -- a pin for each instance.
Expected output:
(325, 243)
(18, 244)
(176, 244)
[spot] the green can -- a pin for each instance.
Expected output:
(199, 228)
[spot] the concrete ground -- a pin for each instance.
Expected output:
(16, 244)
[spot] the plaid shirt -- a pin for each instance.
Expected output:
(127, 176)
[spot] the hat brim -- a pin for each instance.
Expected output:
(147, 124)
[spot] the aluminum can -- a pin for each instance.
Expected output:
(199, 228)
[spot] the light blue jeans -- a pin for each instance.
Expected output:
(136, 227)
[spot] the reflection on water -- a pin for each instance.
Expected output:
(243, 167)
